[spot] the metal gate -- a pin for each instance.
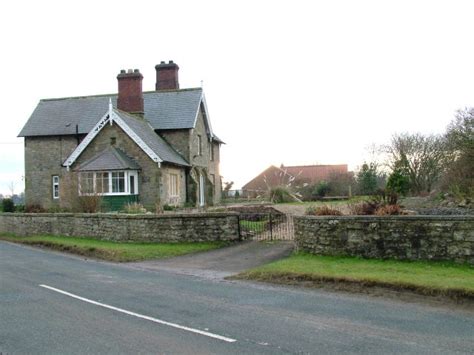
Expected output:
(266, 226)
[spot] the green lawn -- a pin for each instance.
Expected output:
(421, 276)
(114, 251)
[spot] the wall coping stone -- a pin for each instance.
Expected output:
(126, 216)
(373, 218)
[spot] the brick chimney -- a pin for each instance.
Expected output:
(130, 95)
(167, 76)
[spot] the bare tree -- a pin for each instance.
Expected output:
(11, 188)
(423, 157)
(459, 177)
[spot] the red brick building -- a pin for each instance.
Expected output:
(293, 176)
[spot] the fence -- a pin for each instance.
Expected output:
(266, 226)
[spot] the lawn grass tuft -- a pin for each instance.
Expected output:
(113, 251)
(423, 277)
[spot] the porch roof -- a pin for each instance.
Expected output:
(110, 159)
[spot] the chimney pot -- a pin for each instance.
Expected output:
(171, 62)
(122, 71)
(162, 62)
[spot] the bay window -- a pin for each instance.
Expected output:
(118, 182)
(108, 183)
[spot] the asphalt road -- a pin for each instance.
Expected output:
(140, 311)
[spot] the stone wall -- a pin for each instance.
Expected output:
(150, 179)
(396, 237)
(204, 159)
(43, 159)
(151, 228)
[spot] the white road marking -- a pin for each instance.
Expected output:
(155, 320)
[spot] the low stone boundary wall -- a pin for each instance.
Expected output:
(119, 227)
(396, 237)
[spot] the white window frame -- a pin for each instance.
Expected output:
(55, 181)
(126, 192)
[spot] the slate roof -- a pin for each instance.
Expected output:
(174, 109)
(145, 131)
(110, 159)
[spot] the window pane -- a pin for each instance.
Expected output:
(55, 186)
(173, 185)
(132, 185)
(118, 182)
(102, 183)
(87, 183)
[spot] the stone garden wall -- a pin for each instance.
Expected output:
(162, 228)
(396, 237)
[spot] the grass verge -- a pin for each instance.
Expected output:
(113, 251)
(422, 277)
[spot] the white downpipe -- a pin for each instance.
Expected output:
(201, 190)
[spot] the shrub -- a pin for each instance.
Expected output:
(167, 207)
(367, 179)
(71, 200)
(364, 208)
(322, 211)
(89, 204)
(134, 208)
(341, 184)
(388, 210)
(8, 205)
(398, 182)
(281, 194)
(20, 208)
(381, 204)
(321, 189)
(34, 208)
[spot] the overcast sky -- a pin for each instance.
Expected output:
(292, 82)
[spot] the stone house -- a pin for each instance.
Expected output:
(275, 176)
(149, 147)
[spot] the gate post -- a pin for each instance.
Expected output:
(271, 227)
(238, 228)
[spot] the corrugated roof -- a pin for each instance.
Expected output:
(110, 159)
(146, 133)
(174, 109)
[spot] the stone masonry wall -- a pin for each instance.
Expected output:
(43, 159)
(396, 237)
(204, 160)
(195, 227)
(150, 175)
